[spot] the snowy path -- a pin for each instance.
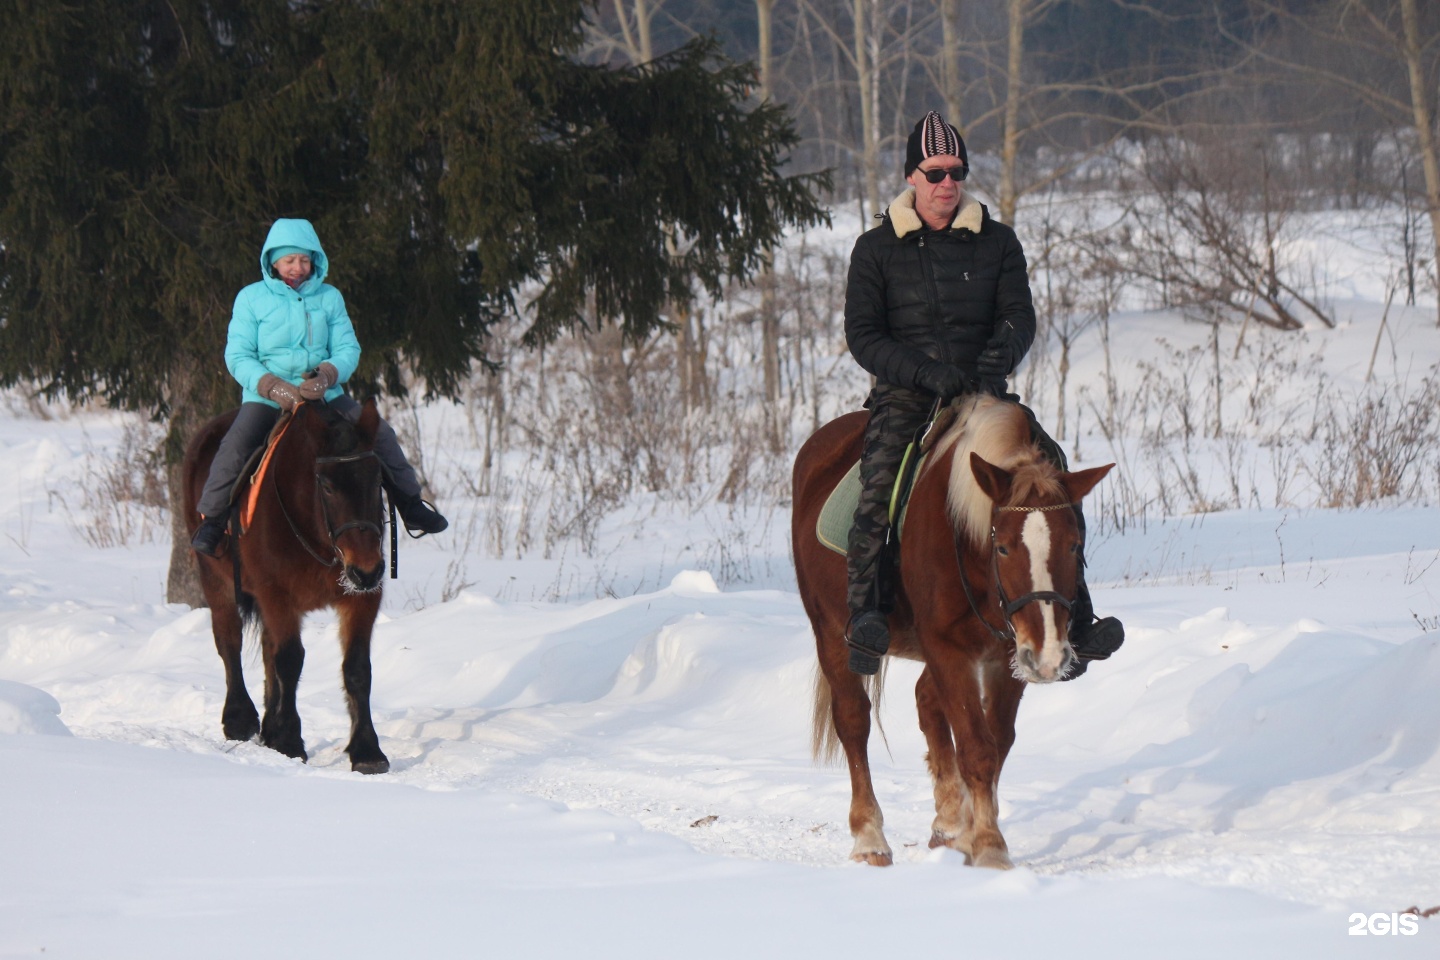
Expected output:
(630, 777)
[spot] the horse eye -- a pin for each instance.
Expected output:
(1003, 551)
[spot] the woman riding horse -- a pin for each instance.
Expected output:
(291, 340)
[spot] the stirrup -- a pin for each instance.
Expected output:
(868, 638)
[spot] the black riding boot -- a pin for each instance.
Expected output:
(868, 638)
(420, 516)
(1091, 639)
(209, 535)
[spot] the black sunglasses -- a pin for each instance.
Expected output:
(954, 173)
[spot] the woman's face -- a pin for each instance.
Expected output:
(293, 268)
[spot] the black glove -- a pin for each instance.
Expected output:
(996, 360)
(945, 380)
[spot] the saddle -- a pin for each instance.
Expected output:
(832, 527)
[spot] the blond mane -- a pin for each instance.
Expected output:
(1000, 433)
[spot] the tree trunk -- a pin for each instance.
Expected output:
(866, 81)
(637, 41)
(769, 316)
(187, 413)
(1424, 123)
(1010, 136)
(1064, 380)
(950, 61)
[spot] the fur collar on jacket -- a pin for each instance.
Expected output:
(904, 219)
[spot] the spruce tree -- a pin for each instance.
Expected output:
(449, 153)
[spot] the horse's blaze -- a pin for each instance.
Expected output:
(1043, 656)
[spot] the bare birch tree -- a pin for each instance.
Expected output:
(1385, 53)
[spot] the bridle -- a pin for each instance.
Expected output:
(333, 532)
(1008, 607)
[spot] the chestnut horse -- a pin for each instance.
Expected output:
(989, 519)
(313, 541)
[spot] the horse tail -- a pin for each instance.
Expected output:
(245, 603)
(824, 744)
(824, 741)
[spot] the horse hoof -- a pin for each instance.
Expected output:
(244, 728)
(295, 750)
(994, 860)
(370, 766)
(875, 858)
(938, 839)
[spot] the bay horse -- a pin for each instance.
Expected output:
(313, 541)
(989, 519)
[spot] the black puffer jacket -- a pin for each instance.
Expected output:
(916, 294)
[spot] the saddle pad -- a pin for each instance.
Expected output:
(252, 496)
(838, 515)
(832, 528)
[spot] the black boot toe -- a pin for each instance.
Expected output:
(208, 536)
(868, 639)
(1100, 640)
(420, 516)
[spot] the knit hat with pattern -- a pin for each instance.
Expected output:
(933, 137)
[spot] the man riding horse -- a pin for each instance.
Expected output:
(937, 304)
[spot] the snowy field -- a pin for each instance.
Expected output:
(605, 753)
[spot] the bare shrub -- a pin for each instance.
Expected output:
(123, 496)
(1215, 234)
(1375, 452)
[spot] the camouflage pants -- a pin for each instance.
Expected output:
(895, 415)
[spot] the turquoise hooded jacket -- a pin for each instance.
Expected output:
(275, 329)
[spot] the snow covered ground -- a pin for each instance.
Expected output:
(629, 776)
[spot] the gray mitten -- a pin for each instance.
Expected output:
(282, 392)
(322, 379)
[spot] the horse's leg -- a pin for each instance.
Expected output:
(357, 620)
(1002, 693)
(952, 826)
(238, 718)
(967, 706)
(284, 658)
(850, 712)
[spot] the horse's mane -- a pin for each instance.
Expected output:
(339, 436)
(1000, 433)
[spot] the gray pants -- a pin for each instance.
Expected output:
(253, 424)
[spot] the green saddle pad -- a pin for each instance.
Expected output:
(832, 528)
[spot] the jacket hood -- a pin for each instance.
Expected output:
(971, 215)
(294, 233)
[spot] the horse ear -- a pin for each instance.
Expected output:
(1082, 482)
(369, 423)
(995, 482)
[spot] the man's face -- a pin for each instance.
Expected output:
(937, 200)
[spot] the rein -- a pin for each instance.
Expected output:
(1008, 607)
(333, 532)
